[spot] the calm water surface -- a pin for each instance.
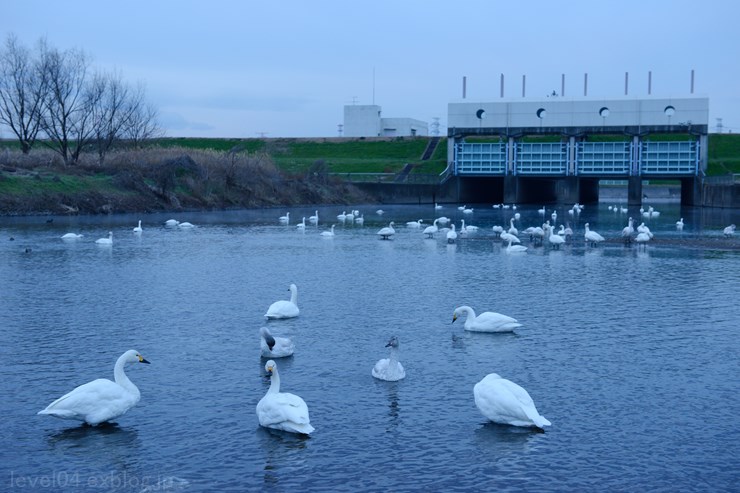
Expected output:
(632, 354)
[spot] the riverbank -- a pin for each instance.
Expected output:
(163, 180)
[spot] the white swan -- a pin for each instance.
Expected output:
(502, 401)
(461, 207)
(467, 211)
(414, 224)
(592, 236)
(302, 225)
(343, 216)
(497, 230)
(469, 228)
(431, 230)
(138, 229)
(679, 224)
(628, 231)
(71, 236)
(171, 223)
(380, 212)
(510, 238)
(314, 219)
(642, 238)
(387, 232)
(360, 219)
(555, 240)
(105, 241)
(729, 230)
(284, 308)
(644, 229)
(274, 347)
(186, 225)
(515, 248)
(486, 321)
(285, 219)
(512, 229)
(451, 234)
(437, 206)
(100, 400)
(328, 233)
(281, 410)
(390, 369)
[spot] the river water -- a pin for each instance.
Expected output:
(630, 352)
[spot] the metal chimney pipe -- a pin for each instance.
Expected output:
(692, 81)
(562, 85)
(502, 85)
(524, 86)
(585, 84)
(650, 82)
(465, 83)
(626, 82)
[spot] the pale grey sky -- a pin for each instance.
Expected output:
(230, 68)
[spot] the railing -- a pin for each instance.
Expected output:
(541, 158)
(591, 158)
(480, 158)
(603, 158)
(661, 158)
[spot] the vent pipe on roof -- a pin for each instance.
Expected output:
(626, 82)
(692, 81)
(465, 83)
(524, 86)
(562, 85)
(502, 85)
(585, 84)
(650, 82)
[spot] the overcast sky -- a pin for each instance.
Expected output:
(239, 68)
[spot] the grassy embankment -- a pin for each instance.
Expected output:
(203, 173)
(347, 155)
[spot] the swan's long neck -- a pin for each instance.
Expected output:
(294, 291)
(469, 312)
(120, 376)
(393, 360)
(274, 382)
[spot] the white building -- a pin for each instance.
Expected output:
(366, 121)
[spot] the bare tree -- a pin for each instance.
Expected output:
(22, 92)
(67, 119)
(142, 123)
(112, 112)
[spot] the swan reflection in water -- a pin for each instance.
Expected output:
(283, 451)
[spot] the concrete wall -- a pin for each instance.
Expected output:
(392, 127)
(583, 112)
(362, 121)
(720, 195)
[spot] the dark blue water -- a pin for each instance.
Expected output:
(632, 354)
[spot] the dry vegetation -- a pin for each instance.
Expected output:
(159, 179)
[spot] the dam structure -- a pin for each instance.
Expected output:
(558, 149)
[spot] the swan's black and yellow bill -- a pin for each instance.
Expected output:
(142, 359)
